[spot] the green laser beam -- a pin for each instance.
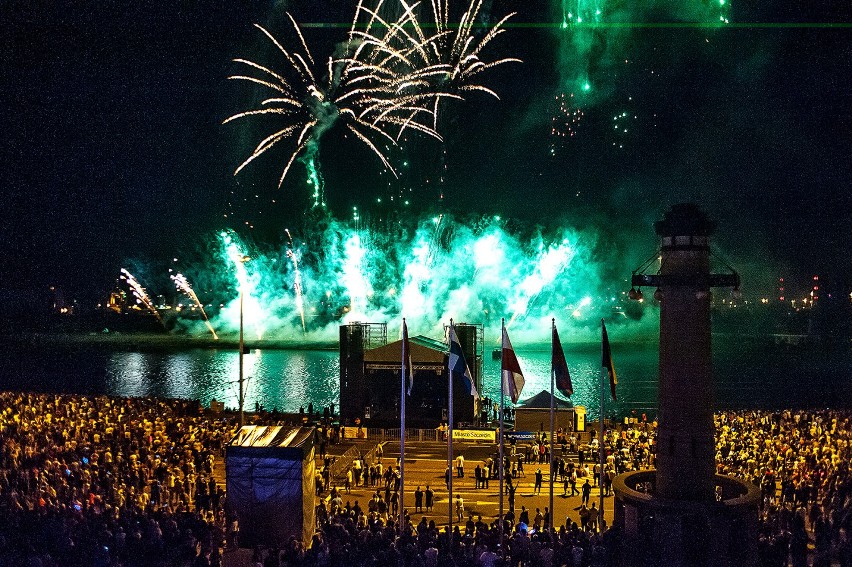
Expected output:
(616, 25)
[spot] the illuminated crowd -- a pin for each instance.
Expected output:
(109, 481)
(801, 461)
(124, 482)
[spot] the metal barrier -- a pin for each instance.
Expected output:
(378, 434)
(343, 462)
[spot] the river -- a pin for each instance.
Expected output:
(748, 374)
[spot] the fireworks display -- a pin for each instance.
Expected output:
(140, 294)
(564, 122)
(387, 78)
(297, 279)
(391, 79)
(595, 49)
(475, 272)
(182, 284)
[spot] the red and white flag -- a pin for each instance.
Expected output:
(512, 376)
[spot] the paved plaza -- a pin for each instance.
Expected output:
(426, 463)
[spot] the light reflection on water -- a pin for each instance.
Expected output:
(754, 377)
(290, 379)
(130, 374)
(280, 379)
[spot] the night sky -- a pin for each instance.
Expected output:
(113, 149)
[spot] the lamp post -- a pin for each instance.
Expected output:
(243, 260)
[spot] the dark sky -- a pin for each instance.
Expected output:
(112, 147)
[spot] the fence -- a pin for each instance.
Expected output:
(379, 434)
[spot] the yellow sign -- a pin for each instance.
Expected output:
(353, 432)
(475, 435)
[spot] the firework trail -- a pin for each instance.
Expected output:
(182, 284)
(369, 90)
(234, 251)
(454, 52)
(391, 78)
(297, 285)
(140, 294)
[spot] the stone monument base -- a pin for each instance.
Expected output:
(673, 533)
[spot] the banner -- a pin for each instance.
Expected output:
(525, 436)
(489, 435)
(353, 432)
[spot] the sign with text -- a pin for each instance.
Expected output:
(475, 435)
(353, 432)
(525, 436)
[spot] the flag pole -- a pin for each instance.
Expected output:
(402, 394)
(604, 378)
(450, 439)
(552, 404)
(501, 466)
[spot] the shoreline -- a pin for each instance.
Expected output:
(122, 341)
(142, 341)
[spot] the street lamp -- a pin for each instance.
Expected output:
(243, 260)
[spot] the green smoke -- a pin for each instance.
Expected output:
(478, 272)
(594, 36)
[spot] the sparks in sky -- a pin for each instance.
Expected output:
(182, 284)
(347, 271)
(142, 297)
(390, 79)
(297, 282)
(564, 122)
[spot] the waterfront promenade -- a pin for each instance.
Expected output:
(426, 463)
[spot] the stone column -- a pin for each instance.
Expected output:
(685, 448)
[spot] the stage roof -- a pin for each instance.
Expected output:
(542, 401)
(272, 436)
(425, 353)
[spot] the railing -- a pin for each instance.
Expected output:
(343, 462)
(379, 434)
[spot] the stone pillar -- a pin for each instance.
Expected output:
(685, 449)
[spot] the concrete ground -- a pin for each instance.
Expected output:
(426, 462)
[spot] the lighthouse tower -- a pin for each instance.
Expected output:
(682, 513)
(685, 449)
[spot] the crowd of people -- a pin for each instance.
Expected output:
(124, 482)
(800, 461)
(109, 481)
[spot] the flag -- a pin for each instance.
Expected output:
(559, 367)
(458, 365)
(407, 369)
(606, 361)
(513, 378)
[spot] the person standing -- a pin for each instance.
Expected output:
(537, 519)
(584, 516)
(587, 491)
(430, 498)
(538, 480)
(524, 517)
(356, 464)
(460, 466)
(593, 517)
(418, 500)
(459, 507)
